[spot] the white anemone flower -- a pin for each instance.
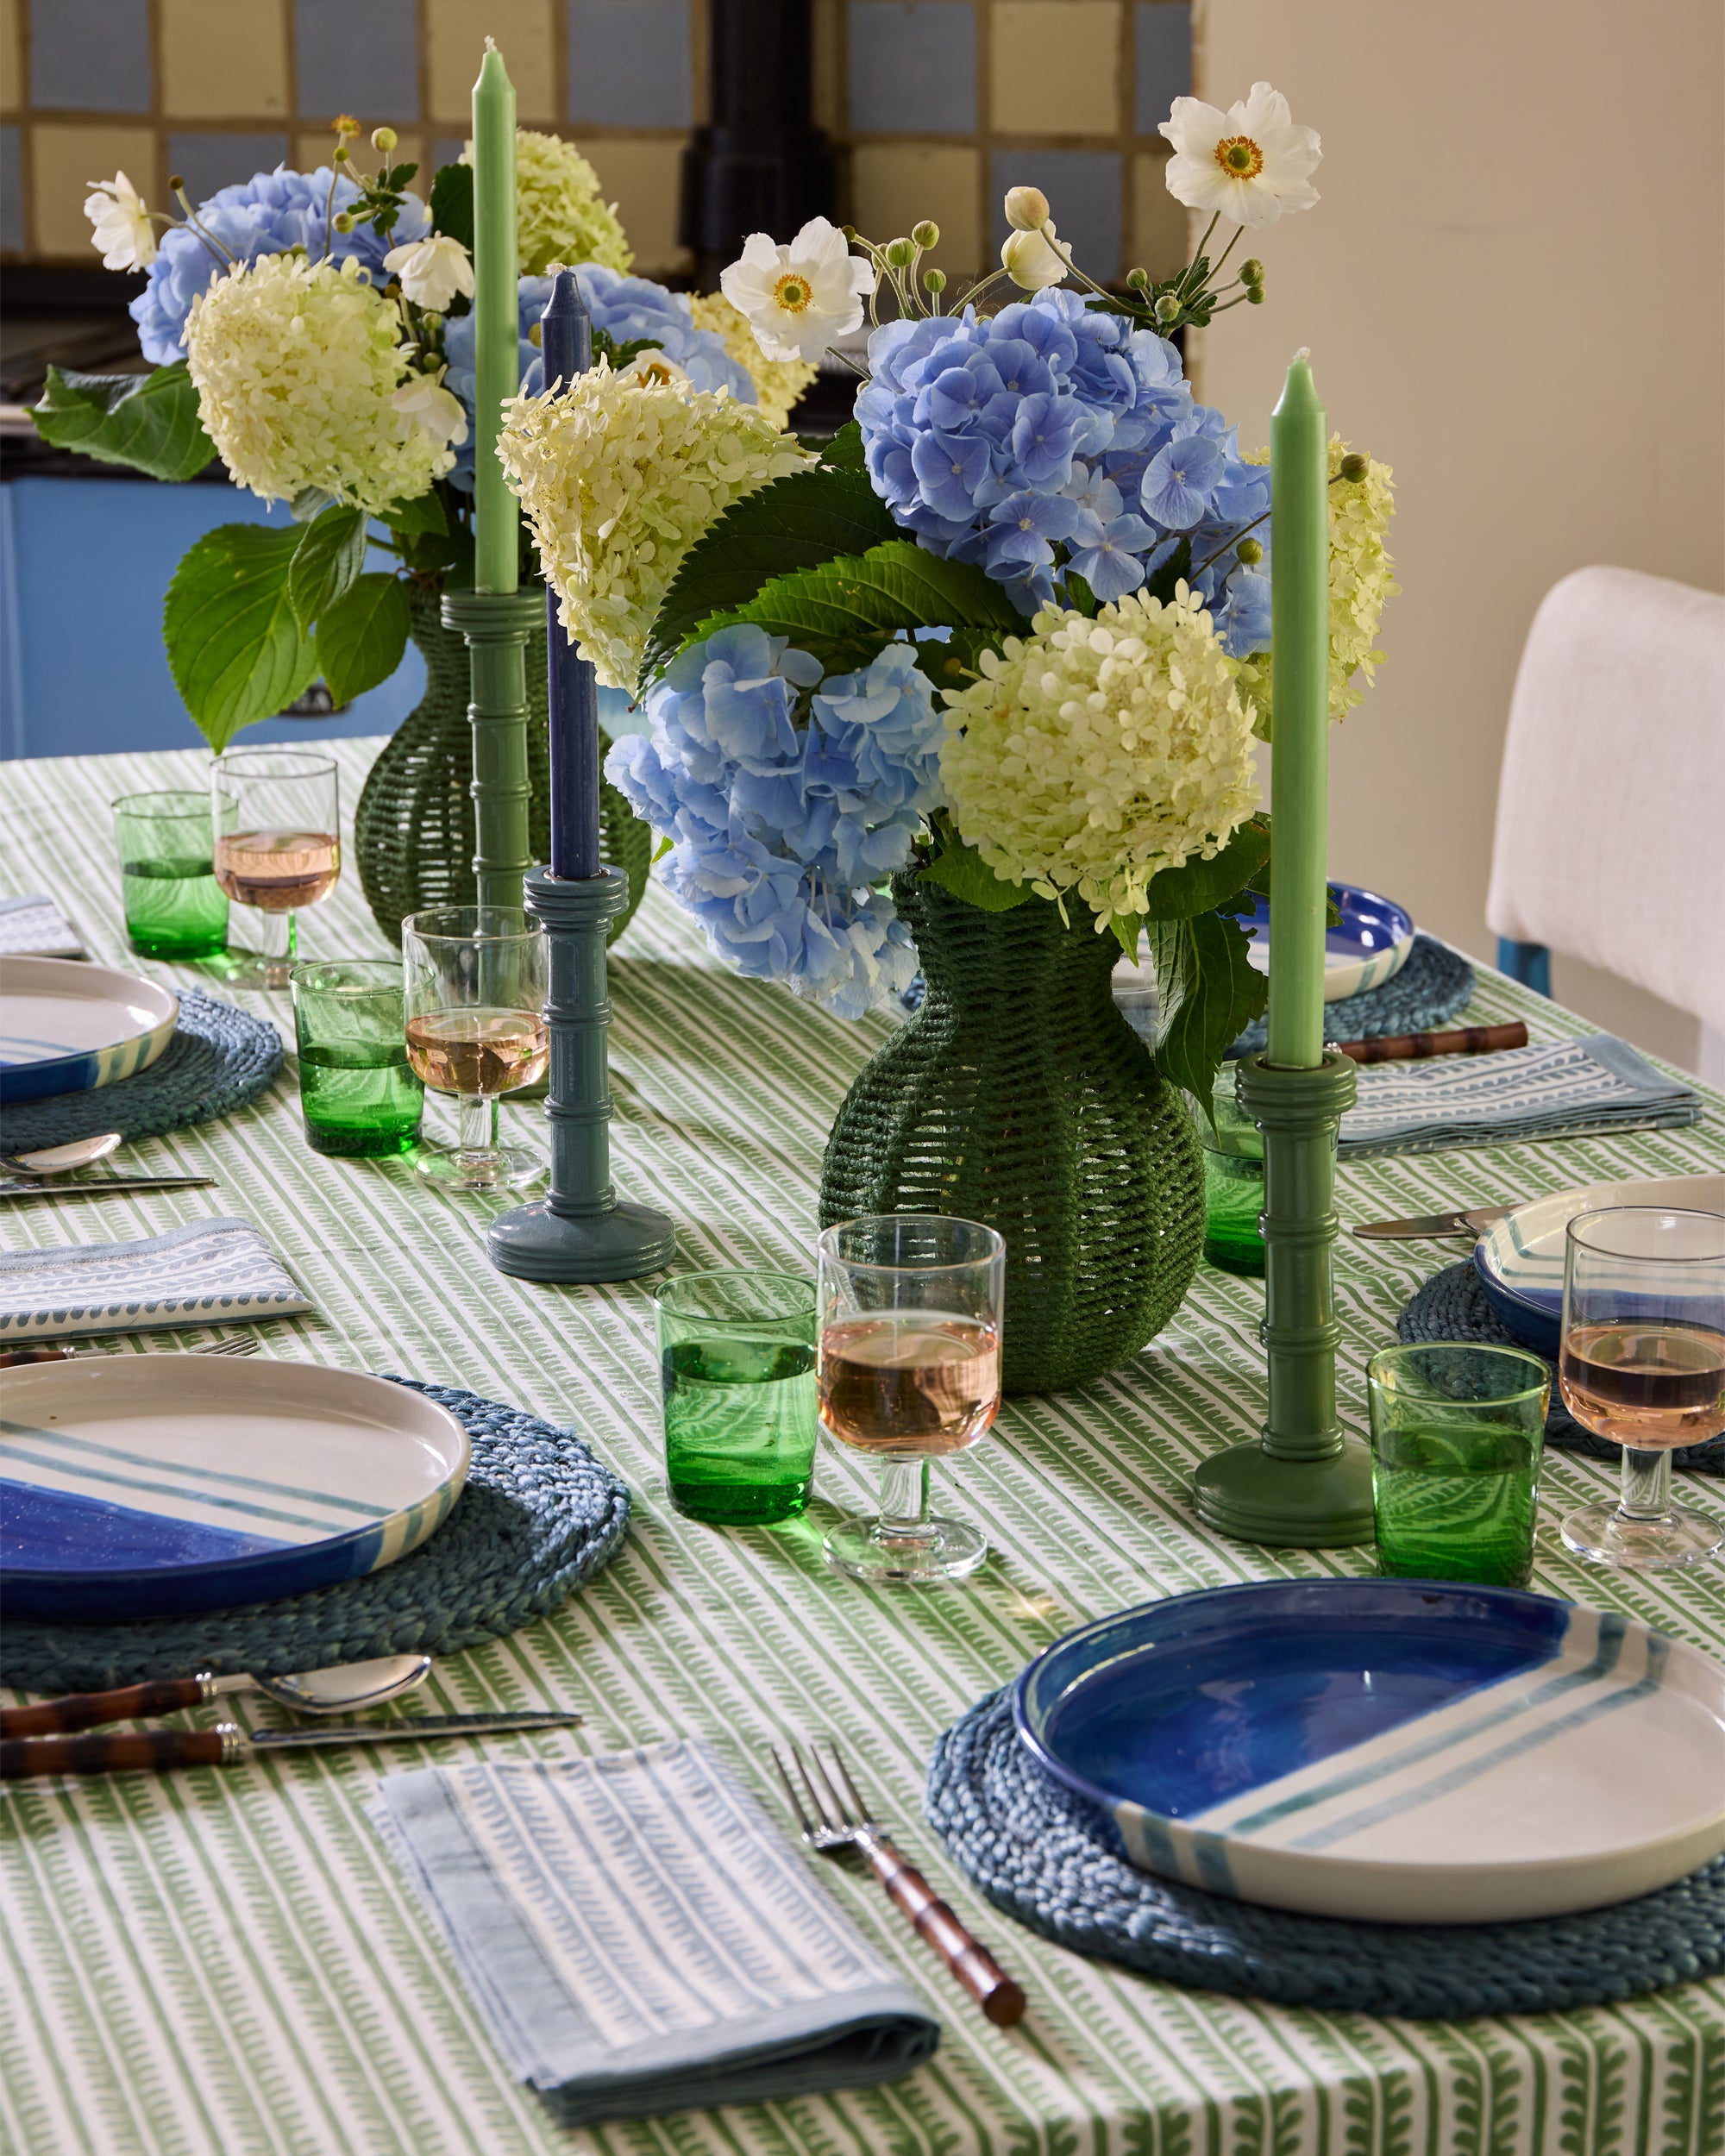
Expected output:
(654, 369)
(799, 298)
(1250, 163)
(422, 401)
(1033, 260)
(123, 235)
(432, 271)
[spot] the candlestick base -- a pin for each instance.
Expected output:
(1253, 1496)
(536, 1242)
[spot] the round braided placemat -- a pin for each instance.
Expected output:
(1056, 1867)
(220, 1058)
(1433, 985)
(1452, 1306)
(537, 1517)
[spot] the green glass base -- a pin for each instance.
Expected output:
(1253, 1496)
(534, 1243)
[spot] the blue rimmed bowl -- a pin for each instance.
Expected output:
(1371, 946)
(66, 1027)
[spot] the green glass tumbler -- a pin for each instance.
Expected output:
(1233, 1180)
(174, 907)
(736, 1356)
(1457, 1432)
(359, 1096)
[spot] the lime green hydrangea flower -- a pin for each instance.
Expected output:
(778, 383)
(619, 477)
(560, 214)
(302, 382)
(1100, 751)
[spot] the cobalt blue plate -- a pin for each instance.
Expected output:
(1401, 1751)
(1371, 946)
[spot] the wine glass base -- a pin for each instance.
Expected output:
(246, 969)
(1601, 1535)
(900, 1553)
(507, 1168)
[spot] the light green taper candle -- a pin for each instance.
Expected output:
(496, 513)
(1299, 775)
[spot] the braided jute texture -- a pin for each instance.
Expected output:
(1452, 1306)
(413, 829)
(537, 1517)
(219, 1059)
(1433, 984)
(1018, 1096)
(1055, 1865)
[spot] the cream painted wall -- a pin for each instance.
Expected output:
(1513, 289)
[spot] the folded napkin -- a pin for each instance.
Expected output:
(206, 1270)
(1579, 1089)
(639, 1938)
(34, 927)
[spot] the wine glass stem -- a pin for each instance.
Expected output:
(904, 1497)
(1646, 1489)
(277, 936)
(477, 1137)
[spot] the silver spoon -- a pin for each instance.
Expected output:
(339, 1690)
(60, 1160)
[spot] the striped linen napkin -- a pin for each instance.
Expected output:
(1579, 1089)
(207, 1272)
(33, 926)
(639, 1938)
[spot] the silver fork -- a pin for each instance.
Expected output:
(834, 1818)
(57, 1352)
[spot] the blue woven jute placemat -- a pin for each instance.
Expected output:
(537, 1517)
(220, 1058)
(1433, 985)
(1452, 1306)
(1056, 1867)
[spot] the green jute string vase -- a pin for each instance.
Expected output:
(413, 829)
(1018, 1096)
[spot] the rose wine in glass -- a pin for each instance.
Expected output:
(274, 821)
(908, 1370)
(478, 1051)
(474, 996)
(1642, 1363)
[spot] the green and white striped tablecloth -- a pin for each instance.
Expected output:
(222, 1962)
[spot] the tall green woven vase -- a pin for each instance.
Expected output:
(1018, 1096)
(413, 829)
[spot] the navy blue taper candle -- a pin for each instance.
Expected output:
(566, 343)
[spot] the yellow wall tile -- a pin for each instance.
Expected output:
(641, 176)
(1161, 237)
(216, 67)
(454, 31)
(895, 185)
(63, 162)
(11, 57)
(1056, 66)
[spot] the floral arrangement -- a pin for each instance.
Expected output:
(1010, 631)
(314, 329)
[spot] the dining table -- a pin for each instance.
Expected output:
(211, 1962)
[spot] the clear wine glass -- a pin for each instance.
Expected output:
(908, 1369)
(1642, 1363)
(475, 984)
(274, 822)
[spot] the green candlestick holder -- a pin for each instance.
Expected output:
(496, 625)
(1301, 1485)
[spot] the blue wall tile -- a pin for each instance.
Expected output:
(91, 55)
(629, 63)
(912, 66)
(1163, 34)
(358, 56)
(206, 162)
(445, 150)
(1083, 191)
(11, 188)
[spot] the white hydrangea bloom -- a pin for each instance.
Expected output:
(296, 367)
(618, 479)
(1102, 751)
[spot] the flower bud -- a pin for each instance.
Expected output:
(926, 235)
(1354, 467)
(1254, 295)
(1250, 552)
(1252, 271)
(384, 139)
(176, 184)
(340, 156)
(1167, 307)
(900, 255)
(1026, 208)
(935, 279)
(1139, 281)
(1031, 262)
(343, 221)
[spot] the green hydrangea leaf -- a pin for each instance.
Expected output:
(424, 513)
(1199, 886)
(452, 208)
(962, 870)
(1209, 991)
(361, 638)
(328, 557)
(234, 646)
(148, 423)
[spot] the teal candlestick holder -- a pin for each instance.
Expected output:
(496, 625)
(1301, 1485)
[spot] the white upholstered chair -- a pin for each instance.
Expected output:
(1611, 838)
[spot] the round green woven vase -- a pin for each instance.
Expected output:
(413, 829)
(1018, 1096)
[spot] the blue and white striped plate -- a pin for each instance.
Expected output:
(1398, 1751)
(149, 1485)
(66, 1027)
(1371, 946)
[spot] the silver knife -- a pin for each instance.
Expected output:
(1432, 1224)
(103, 1183)
(102, 1752)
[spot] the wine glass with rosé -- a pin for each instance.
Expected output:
(908, 1370)
(474, 998)
(1642, 1362)
(274, 822)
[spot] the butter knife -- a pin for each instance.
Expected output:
(1433, 1224)
(155, 1751)
(104, 1183)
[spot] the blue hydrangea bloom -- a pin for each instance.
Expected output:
(628, 309)
(265, 215)
(786, 797)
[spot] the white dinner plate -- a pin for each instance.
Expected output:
(149, 1485)
(66, 1027)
